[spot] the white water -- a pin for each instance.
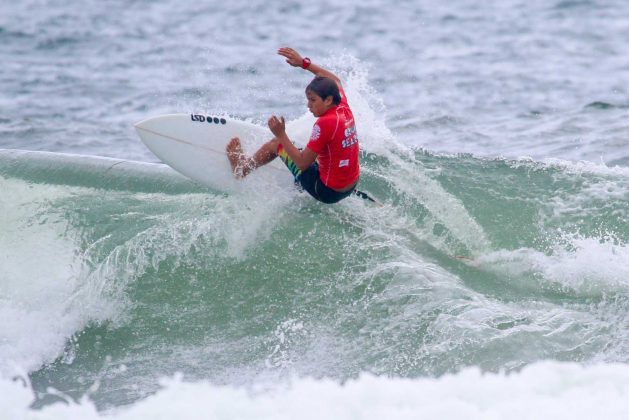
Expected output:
(511, 79)
(547, 390)
(38, 279)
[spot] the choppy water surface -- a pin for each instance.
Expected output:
(494, 136)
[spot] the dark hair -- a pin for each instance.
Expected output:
(324, 87)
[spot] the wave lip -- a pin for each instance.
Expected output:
(92, 171)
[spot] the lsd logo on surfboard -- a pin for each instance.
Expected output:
(209, 119)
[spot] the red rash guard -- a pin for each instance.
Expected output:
(335, 142)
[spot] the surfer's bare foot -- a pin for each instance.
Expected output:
(237, 158)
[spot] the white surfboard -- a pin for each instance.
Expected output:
(194, 145)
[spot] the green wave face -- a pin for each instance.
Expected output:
(123, 273)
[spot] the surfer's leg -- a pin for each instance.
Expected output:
(243, 165)
(292, 167)
(266, 153)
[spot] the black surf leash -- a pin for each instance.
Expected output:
(365, 196)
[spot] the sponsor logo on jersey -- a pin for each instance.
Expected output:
(343, 162)
(316, 132)
(350, 137)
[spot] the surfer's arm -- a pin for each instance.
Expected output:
(294, 59)
(302, 158)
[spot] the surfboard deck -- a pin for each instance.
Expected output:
(194, 145)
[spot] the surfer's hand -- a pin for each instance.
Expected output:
(277, 126)
(292, 57)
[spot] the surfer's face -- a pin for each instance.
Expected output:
(316, 105)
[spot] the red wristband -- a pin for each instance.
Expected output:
(305, 63)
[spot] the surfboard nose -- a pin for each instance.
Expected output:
(195, 147)
(155, 122)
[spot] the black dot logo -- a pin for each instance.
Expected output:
(223, 121)
(216, 120)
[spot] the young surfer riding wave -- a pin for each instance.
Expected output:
(328, 167)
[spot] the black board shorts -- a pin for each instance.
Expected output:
(311, 182)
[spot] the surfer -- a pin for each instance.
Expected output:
(328, 167)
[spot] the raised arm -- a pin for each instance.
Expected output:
(294, 59)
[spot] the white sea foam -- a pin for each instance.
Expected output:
(542, 390)
(52, 283)
(586, 167)
(575, 167)
(38, 276)
(587, 266)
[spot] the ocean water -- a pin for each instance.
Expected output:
(492, 282)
